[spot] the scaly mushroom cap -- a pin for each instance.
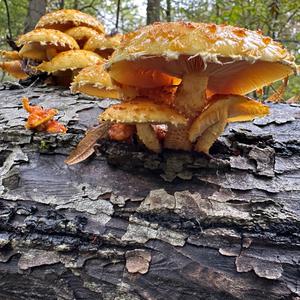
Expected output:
(46, 37)
(67, 18)
(103, 45)
(81, 34)
(95, 81)
(228, 108)
(70, 60)
(236, 60)
(13, 68)
(9, 55)
(142, 111)
(38, 43)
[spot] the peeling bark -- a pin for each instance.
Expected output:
(130, 224)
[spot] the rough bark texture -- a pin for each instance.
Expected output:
(169, 226)
(153, 11)
(36, 9)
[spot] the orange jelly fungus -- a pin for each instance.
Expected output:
(41, 119)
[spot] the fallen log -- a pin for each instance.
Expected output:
(129, 224)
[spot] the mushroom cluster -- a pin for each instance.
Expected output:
(62, 43)
(192, 79)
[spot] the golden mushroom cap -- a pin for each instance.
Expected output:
(102, 42)
(13, 68)
(95, 81)
(48, 36)
(82, 33)
(66, 18)
(236, 60)
(142, 111)
(70, 60)
(9, 55)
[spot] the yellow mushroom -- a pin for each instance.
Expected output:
(103, 45)
(44, 44)
(66, 64)
(95, 81)
(65, 19)
(13, 68)
(221, 110)
(82, 34)
(7, 55)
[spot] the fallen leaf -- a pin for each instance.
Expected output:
(278, 95)
(85, 148)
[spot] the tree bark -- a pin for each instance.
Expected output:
(36, 9)
(130, 224)
(153, 11)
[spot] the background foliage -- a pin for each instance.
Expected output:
(279, 19)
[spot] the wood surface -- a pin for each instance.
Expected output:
(128, 224)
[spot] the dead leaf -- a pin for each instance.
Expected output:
(278, 95)
(85, 148)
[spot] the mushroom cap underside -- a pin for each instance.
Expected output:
(66, 18)
(70, 60)
(142, 111)
(46, 37)
(237, 60)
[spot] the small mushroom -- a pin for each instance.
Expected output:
(44, 44)
(65, 19)
(11, 64)
(223, 109)
(64, 65)
(82, 34)
(7, 55)
(103, 45)
(13, 68)
(144, 114)
(209, 59)
(95, 81)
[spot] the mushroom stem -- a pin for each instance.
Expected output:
(209, 136)
(147, 135)
(190, 99)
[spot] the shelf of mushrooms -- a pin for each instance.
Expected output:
(197, 73)
(179, 83)
(62, 43)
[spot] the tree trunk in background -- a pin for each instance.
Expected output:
(168, 11)
(76, 4)
(61, 4)
(36, 9)
(153, 11)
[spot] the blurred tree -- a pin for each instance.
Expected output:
(153, 11)
(36, 9)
